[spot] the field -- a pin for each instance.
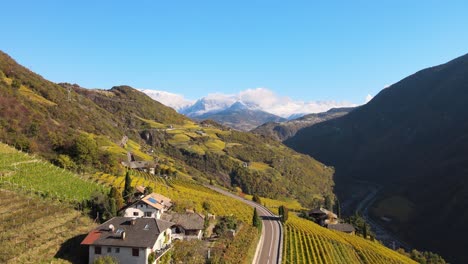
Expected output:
(20, 171)
(34, 230)
(307, 242)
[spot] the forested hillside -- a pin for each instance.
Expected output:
(89, 130)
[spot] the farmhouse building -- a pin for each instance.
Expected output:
(152, 205)
(323, 217)
(129, 240)
(187, 226)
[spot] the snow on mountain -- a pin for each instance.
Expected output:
(253, 99)
(212, 103)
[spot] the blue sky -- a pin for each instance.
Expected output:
(307, 50)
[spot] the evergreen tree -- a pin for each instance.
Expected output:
(112, 207)
(285, 214)
(127, 191)
(338, 208)
(283, 211)
(256, 221)
(328, 203)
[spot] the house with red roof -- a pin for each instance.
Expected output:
(130, 240)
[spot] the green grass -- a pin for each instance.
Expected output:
(259, 166)
(28, 93)
(153, 123)
(215, 145)
(22, 171)
(134, 147)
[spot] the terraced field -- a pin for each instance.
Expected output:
(307, 242)
(33, 229)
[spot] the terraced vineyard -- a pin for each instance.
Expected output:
(183, 191)
(307, 242)
(19, 170)
(33, 229)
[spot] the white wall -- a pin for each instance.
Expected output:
(141, 211)
(161, 238)
(124, 256)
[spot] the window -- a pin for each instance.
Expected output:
(135, 252)
(135, 213)
(97, 250)
(147, 214)
(109, 250)
(117, 250)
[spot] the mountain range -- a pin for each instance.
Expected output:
(245, 110)
(411, 139)
(286, 129)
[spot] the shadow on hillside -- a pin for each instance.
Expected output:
(72, 251)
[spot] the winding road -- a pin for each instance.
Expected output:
(270, 243)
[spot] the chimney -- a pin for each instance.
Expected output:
(111, 228)
(133, 221)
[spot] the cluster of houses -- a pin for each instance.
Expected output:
(328, 219)
(147, 227)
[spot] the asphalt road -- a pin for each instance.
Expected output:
(272, 232)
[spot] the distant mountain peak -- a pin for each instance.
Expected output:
(238, 106)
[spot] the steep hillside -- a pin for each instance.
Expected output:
(412, 139)
(240, 117)
(87, 130)
(284, 130)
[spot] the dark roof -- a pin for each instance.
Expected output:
(317, 212)
(347, 228)
(143, 234)
(189, 221)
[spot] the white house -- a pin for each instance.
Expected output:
(151, 205)
(129, 240)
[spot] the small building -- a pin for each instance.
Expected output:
(129, 240)
(323, 217)
(152, 205)
(343, 227)
(187, 226)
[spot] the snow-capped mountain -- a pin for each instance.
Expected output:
(241, 117)
(210, 104)
(256, 104)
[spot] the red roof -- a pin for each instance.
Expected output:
(91, 237)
